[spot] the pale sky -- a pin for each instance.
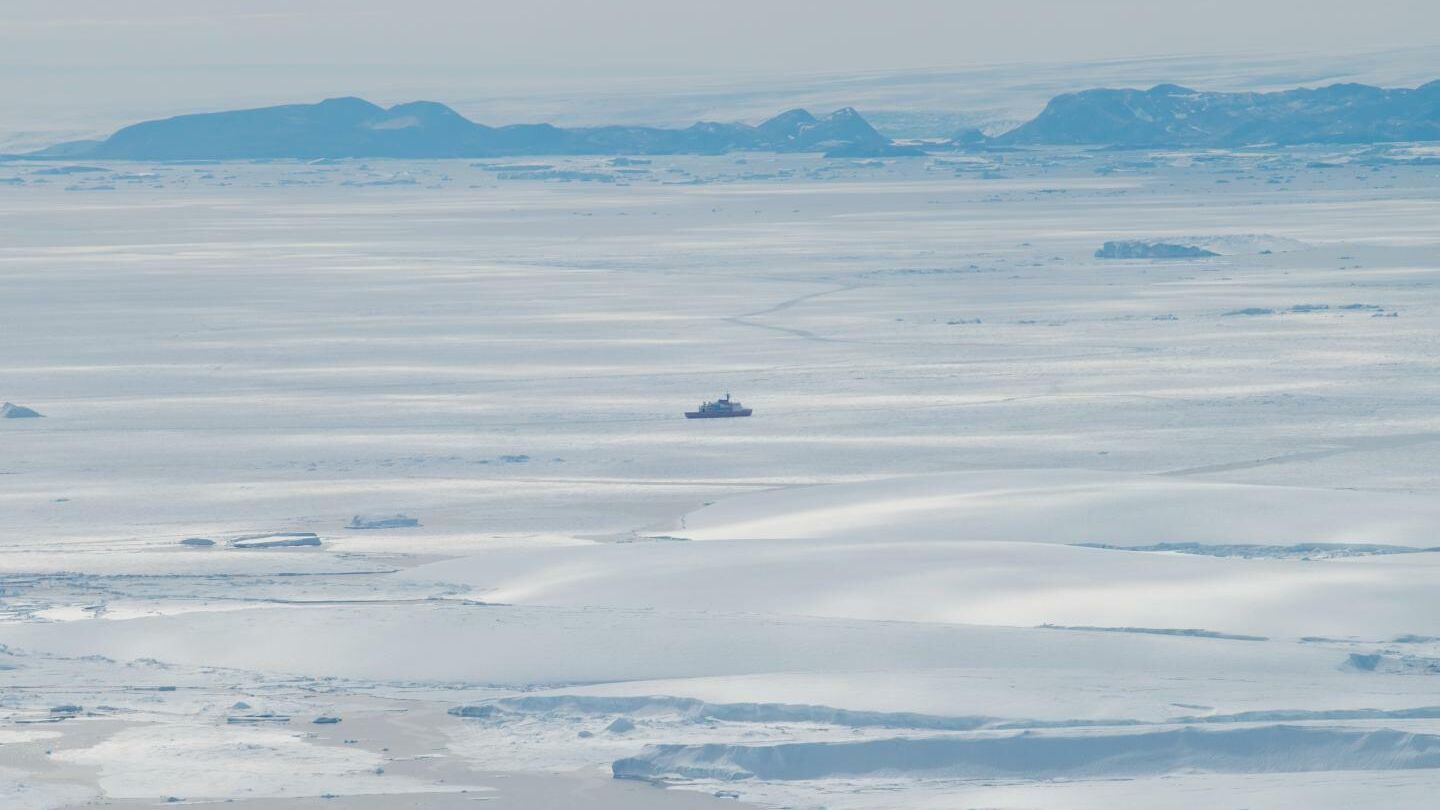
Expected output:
(557, 35)
(62, 58)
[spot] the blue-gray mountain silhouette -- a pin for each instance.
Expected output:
(1169, 115)
(1164, 116)
(353, 127)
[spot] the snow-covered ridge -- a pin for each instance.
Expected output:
(665, 710)
(691, 710)
(1265, 749)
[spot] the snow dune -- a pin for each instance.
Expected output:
(997, 549)
(1012, 584)
(1071, 506)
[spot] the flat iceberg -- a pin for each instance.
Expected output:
(396, 521)
(276, 540)
(1134, 249)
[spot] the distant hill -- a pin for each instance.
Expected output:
(1166, 115)
(1169, 115)
(353, 127)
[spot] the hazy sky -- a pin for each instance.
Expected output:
(59, 58)
(720, 35)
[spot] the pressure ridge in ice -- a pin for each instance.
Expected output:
(396, 521)
(1266, 749)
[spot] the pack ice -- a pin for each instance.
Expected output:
(1013, 526)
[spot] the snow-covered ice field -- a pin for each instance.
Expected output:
(1012, 526)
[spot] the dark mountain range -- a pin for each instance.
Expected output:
(1168, 115)
(352, 127)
